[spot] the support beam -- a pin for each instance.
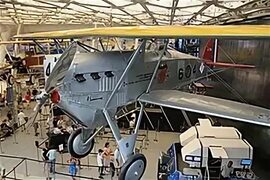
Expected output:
(149, 12)
(174, 5)
(207, 5)
(114, 6)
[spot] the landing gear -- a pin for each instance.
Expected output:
(133, 168)
(77, 147)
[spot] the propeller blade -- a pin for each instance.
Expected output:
(34, 116)
(41, 100)
(61, 67)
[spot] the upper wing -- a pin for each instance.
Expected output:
(208, 105)
(236, 31)
(26, 42)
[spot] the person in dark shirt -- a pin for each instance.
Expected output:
(45, 157)
(34, 92)
(55, 122)
(44, 154)
(9, 115)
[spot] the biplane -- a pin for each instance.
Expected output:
(92, 85)
(29, 65)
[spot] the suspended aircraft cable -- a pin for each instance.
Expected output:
(212, 72)
(227, 55)
(231, 59)
(231, 89)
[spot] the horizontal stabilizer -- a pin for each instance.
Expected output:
(228, 65)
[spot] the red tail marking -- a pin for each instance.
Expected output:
(208, 53)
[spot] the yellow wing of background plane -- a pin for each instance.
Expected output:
(235, 31)
(25, 42)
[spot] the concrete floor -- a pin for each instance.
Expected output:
(24, 146)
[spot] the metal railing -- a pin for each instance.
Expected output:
(13, 172)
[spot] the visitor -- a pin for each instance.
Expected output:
(227, 170)
(117, 160)
(9, 115)
(107, 155)
(132, 123)
(72, 167)
(44, 157)
(22, 120)
(52, 158)
(35, 125)
(100, 163)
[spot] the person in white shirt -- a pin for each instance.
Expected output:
(132, 123)
(56, 130)
(21, 118)
(227, 170)
(117, 159)
(51, 154)
(100, 163)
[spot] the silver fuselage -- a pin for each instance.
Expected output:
(84, 101)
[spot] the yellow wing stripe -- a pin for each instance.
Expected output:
(158, 31)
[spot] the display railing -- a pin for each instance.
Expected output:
(16, 171)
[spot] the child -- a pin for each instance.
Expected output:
(72, 167)
(100, 159)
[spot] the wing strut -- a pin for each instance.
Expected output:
(166, 117)
(39, 46)
(156, 68)
(149, 120)
(186, 118)
(133, 58)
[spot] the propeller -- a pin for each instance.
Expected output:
(55, 78)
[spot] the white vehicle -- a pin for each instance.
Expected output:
(204, 150)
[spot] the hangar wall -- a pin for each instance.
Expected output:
(254, 86)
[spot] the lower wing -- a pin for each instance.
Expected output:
(209, 106)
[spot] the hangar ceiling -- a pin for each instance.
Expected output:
(131, 12)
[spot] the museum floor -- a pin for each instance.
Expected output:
(24, 146)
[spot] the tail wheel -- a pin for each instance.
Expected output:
(10, 80)
(76, 147)
(133, 168)
(32, 79)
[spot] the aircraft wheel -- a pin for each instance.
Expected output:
(32, 79)
(76, 147)
(133, 168)
(10, 80)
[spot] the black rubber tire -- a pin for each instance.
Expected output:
(71, 141)
(10, 79)
(127, 164)
(32, 79)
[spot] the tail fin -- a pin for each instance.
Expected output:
(208, 58)
(208, 52)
